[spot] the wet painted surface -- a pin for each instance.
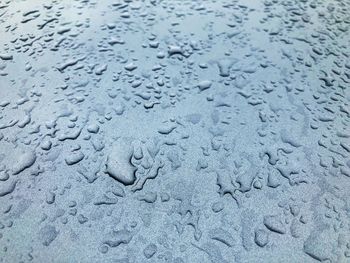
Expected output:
(174, 131)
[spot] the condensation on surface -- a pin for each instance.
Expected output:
(174, 131)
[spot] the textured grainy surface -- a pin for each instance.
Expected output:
(174, 131)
